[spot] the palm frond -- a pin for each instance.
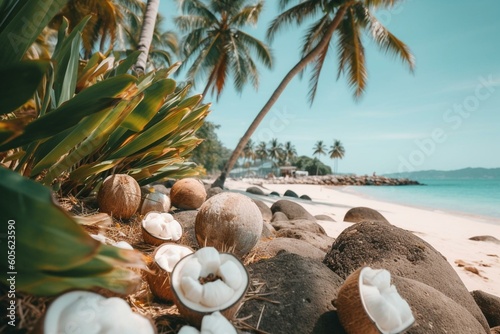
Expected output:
(248, 15)
(316, 72)
(197, 8)
(187, 23)
(261, 49)
(296, 14)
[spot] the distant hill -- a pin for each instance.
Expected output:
(465, 173)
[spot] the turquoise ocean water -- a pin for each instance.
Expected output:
(479, 197)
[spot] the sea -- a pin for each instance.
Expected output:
(477, 197)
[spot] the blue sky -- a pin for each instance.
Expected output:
(446, 115)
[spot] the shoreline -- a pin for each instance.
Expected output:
(446, 232)
(485, 218)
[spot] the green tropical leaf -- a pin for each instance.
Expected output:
(19, 83)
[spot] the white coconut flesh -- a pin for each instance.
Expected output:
(90, 313)
(207, 281)
(162, 225)
(382, 302)
(168, 255)
(214, 323)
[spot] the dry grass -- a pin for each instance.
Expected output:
(166, 317)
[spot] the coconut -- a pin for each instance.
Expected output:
(214, 323)
(155, 201)
(368, 303)
(160, 227)
(208, 281)
(188, 194)
(90, 313)
(161, 264)
(229, 222)
(119, 196)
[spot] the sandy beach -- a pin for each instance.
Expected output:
(447, 232)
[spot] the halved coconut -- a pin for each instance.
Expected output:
(90, 313)
(208, 281)
(368, 303)
(160, 227)
(161, 264)
(214, 323)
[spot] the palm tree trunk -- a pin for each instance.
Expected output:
(148, 27)
(276, 94)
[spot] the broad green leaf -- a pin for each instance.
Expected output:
(25, 22)
(126, 64)
(154, 96)
(104, 94)
(19, 82)
(151, 135)
(84, 171)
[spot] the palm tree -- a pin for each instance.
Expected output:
(261, 151)
(249, 153)
(216, 46)
(336, 152)
(289, 151)
(147, 31)
(346, 18)
(275, 151)
(319, 150)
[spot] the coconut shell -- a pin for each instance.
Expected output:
(194, 317)
(350, 308)
(119, 196)
(154, 240)
(155, 201)
(159, 279)
(188, 194)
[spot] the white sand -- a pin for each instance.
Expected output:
(448, 233)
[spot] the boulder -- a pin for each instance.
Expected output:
(360, 214)
(187, 220)
(214, 191)
(302, 288)
(278, 217)
(318, 240)
(255, 190)
(488, 238)
(268, 231)
(433, 311)
(274, 193)
(299, 224)
(188, 194)
(267, 214)
(305, 197)
(292, 210)
(381, 245)
(272, 247)
(489, 305)
(324, 217)
(291, 193)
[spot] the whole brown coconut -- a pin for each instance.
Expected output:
(119, 196)
(229, 222)
(188, 194)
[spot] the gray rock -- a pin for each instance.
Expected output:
(279, 217)
(318, 240)
(214, 191)
(489, 305)
(303, 289)
(268, 230)
(274, 193)
(271, 247)
(433, 311)
(382, 245)
(305, 197)
(292, 210)
(255, 191)
(299, 224)
(488, 238)
(291, 193)
(187, 220)
(267, 214)
(324, 217)
(360, 214)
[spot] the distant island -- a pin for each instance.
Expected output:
(465, 173)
